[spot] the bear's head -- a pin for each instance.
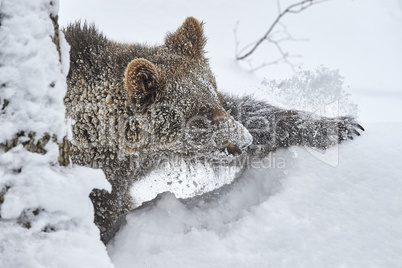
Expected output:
(174, 102)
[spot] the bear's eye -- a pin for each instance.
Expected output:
(209, 115)
(201, 120)
(205, 114)
(214, 115)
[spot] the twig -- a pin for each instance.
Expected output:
(294, 8)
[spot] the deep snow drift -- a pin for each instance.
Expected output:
(306, 215)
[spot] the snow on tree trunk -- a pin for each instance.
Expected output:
(46, 217)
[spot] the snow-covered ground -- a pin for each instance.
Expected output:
(305, 213)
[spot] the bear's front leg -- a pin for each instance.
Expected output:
(110, 206)
(273, 127)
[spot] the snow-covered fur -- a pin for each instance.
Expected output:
(273, 128)
(131, 104)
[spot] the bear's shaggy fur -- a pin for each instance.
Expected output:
(131, 103)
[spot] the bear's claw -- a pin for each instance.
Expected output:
(348, 127)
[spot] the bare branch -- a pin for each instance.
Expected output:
(268, 36)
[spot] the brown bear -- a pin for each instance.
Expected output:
(131, 104)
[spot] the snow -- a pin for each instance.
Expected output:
(306, 215)
(47, 216)
(181, 179)
(320, 91)
(23, 50)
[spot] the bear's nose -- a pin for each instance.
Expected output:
(231, 148)
(228, 135)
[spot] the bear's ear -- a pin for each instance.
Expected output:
(189, 39)
(141, 80)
